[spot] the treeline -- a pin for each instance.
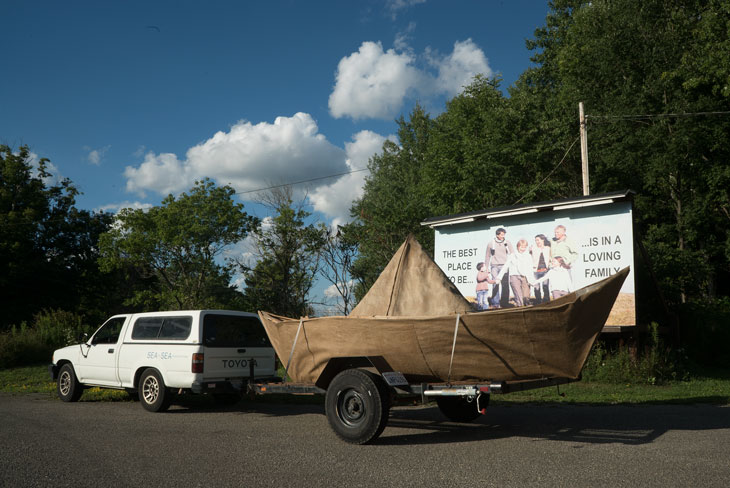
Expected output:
(654, 77)
(655, 80)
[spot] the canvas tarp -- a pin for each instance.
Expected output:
(411, 284)
(548, 340)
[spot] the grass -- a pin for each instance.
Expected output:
(709, 387)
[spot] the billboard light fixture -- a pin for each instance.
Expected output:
(453, 222)
(510, 213)
(583, 204)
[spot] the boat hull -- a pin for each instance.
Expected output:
(548, 340)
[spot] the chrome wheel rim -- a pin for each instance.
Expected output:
(64, 383)
(150, 389)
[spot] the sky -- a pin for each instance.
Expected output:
(135, 100)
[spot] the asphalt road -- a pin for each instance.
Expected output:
(44, 442)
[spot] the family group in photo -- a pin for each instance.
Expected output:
(535, 273)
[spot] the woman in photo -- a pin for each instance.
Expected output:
(541, 257)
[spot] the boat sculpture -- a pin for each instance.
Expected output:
(417, 320)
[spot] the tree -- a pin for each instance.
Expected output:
(177, 244)
(286, 253)
(393, 203)
(337, 256)
(47, 246)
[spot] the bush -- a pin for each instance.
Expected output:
(706, 331)
(653, 364)
(25, 345)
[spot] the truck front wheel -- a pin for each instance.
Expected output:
(153, 394)
(68, 387)
(357, 406)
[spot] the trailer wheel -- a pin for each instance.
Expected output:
(67, 385)
(357, 406)
(459, 409)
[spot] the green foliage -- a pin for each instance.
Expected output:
(50, 330)
(287, 251)
(47, 246)
(706, 330)
(174, 245)
(654, 364)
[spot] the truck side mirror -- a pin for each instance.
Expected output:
(83, 337)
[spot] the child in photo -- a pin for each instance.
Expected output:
(559, 276)
(483, 283)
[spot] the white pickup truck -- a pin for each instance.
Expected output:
(152, 355)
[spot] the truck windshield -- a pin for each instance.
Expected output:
(233, 331)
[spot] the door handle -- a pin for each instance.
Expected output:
(241, 350)
(111, 351)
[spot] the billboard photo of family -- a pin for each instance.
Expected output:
(528, 260)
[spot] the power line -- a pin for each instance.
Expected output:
(302, 181)
(655, 116)
(550, 173)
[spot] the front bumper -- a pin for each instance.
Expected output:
(53, 371)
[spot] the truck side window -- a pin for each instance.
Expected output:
(176, 328)
(158, 328)
(109, 332)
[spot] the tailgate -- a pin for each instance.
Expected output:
(232, 343)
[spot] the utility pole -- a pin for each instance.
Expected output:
(584, 150)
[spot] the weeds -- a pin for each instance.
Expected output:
(32, 344)
(652, 364)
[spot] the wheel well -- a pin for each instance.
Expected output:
(376, 364)
(141, 370)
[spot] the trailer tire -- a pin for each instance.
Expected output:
(459, 409)
(67, 385)
(357, 406)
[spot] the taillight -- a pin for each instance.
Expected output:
(197, 365)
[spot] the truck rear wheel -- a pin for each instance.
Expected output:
(68, 387)
(357, 406)
(153, 394)
(459, 409)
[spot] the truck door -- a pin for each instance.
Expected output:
(98, 359)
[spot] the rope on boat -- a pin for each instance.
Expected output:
(453, 345)
(296, 337)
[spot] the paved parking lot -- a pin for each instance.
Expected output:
(48, 443)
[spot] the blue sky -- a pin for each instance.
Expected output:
(134, 100)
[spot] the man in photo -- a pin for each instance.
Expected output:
(498, 250)
(564, 247)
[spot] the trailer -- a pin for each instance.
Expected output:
(360, 391)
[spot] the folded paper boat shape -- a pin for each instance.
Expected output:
(416, 319)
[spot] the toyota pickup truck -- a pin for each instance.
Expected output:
(153, 355)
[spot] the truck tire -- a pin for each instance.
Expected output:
(153, 394)
(68, 386)
(357, 406)
(459, 409)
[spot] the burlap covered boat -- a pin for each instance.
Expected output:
(417, 320)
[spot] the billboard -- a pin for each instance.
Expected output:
(546, 254)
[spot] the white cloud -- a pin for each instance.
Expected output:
(373, 83)
(54, 175)
(336, 199)
(116, 207)
(248, 156)
(96, 155)
(395, 6)
(457, 70)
